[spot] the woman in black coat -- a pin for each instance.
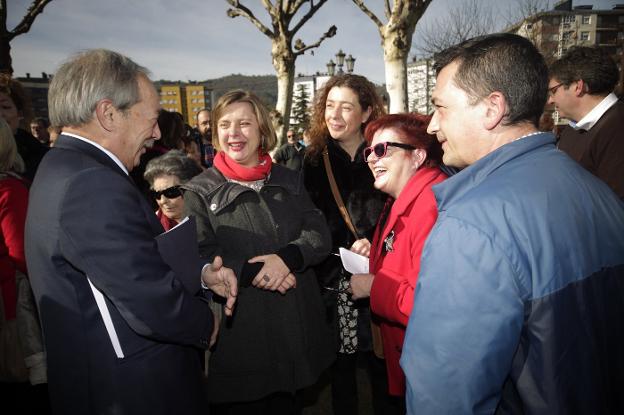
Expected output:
(341, 111)
(258, 217)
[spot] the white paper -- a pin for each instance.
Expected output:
(179, 224)
(352, 262)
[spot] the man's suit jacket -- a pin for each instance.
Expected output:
(87, 221)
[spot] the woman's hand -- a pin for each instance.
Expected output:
(289, 282)
(361, 285)
(272, 274)
(362, 247)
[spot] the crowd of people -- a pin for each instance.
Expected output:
(495, 254)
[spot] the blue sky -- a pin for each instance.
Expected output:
(195, 40)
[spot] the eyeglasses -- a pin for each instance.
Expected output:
(170, 193)
(381, 149)
(553, 90)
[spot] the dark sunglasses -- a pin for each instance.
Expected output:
(170, 193)
(381, 149)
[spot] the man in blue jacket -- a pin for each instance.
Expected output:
(519, 304)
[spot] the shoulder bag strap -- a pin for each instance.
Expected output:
(336, 193)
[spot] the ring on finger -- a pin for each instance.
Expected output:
(266, 278)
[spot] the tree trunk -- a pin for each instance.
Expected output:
(284, 63)
(395, 63)
(5, 57)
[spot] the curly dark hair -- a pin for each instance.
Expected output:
(367, 97)
(14, 90)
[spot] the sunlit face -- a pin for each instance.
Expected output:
(171, 208)
(456, 122)
(343, 114)
(9, 111)
(396, 168)
(239, 133)
(138, 126)
(562, 97)
(203, 123)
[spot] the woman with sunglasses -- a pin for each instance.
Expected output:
(165, 174)
(404, 160)
(258, 217)
(341, 111)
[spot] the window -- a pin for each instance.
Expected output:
(584, 36)
(586, 19)
(569, 18)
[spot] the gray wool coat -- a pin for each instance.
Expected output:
(273, 342)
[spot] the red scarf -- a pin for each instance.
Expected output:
(233, 170)
(165, 221)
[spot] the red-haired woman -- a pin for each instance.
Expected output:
(404, 161)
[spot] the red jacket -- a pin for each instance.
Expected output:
(13, 205)
(395, 262)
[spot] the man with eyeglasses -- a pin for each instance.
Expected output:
(518, 305)
(581, 87)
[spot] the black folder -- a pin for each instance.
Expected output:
(178, 248)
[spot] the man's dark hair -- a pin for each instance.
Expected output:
(593, 65)
(503, 62)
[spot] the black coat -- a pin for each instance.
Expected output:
(364, 203)
(31, 151)
(273, 342)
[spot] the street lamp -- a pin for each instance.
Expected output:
(340, 62)
(340, 58)
(350, 62)
(331, 68)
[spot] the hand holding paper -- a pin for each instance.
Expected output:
(352, 262)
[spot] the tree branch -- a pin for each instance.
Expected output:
(387, 9)
(308, 15)
(330, 33)
(241, 10)
(33, 11)
(370, 14)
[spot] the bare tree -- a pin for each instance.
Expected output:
(528, 18)
(469, 19)
(521, 10)
(284, 56)
(6, 36)
(396, 40)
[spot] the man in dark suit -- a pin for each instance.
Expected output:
(121, 331)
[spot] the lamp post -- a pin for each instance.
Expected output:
(331, 68)
(350, 63)
(340, 62)
(340, 58)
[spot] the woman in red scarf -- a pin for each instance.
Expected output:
(404, 160)
(258, 217)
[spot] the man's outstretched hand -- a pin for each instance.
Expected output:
(222, 281)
